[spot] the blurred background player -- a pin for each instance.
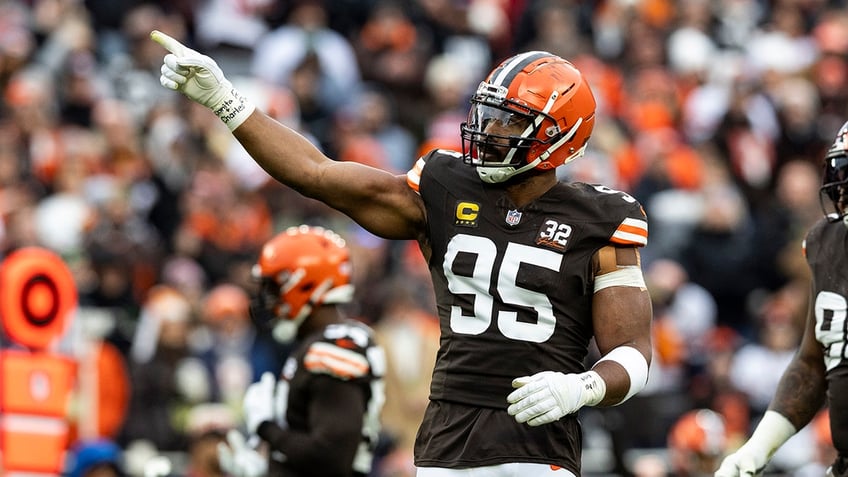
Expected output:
(322, 416)
(817, 373)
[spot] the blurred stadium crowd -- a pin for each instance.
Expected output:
(715, 114)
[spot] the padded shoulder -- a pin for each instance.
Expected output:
(413, 177)
(621, 210)
(324, 357)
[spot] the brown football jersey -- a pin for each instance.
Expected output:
(341, 359)
(514, 292)
(825, 247)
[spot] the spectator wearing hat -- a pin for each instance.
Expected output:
(96, 458)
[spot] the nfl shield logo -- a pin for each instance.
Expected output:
(513, 217)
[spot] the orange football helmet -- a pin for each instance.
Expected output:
(299, 269)
(225, 301)
(696, 441)
(534, 111)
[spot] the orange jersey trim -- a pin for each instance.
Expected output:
(631, 232)
(413, 177)
(325, 358)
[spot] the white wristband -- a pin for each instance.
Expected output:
(634, 363)
(233, 109)
(594, 386)
(773, 430)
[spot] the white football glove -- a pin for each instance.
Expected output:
(199, 78)
(547, 396)
(772, 431)
(746, 461)
(259, 403)
(238, 459)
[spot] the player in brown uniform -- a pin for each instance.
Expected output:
(322, 417)
(527, 270)
(818, 374)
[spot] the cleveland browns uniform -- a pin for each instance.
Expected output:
(825, 251)
(514, 291)
(324, 367)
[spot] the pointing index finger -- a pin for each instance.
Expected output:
(169, 43)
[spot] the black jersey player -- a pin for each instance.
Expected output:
(322, 417)
(527, 270)
(818, 374)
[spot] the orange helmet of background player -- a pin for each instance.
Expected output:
(696, 441)
(226, 301)
(300, 269)
(701, 431)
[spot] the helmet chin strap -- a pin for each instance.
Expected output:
(495, 175)
(285, 330)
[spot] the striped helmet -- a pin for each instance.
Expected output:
(534, 111)
(299, 270)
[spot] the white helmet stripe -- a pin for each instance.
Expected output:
(509, 70)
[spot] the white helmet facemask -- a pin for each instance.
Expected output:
(285, 329)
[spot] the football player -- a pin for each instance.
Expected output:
(322, 417)
(818, 372)
(527, 270)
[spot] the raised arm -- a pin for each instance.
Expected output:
(379, 201)
(376, 199)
